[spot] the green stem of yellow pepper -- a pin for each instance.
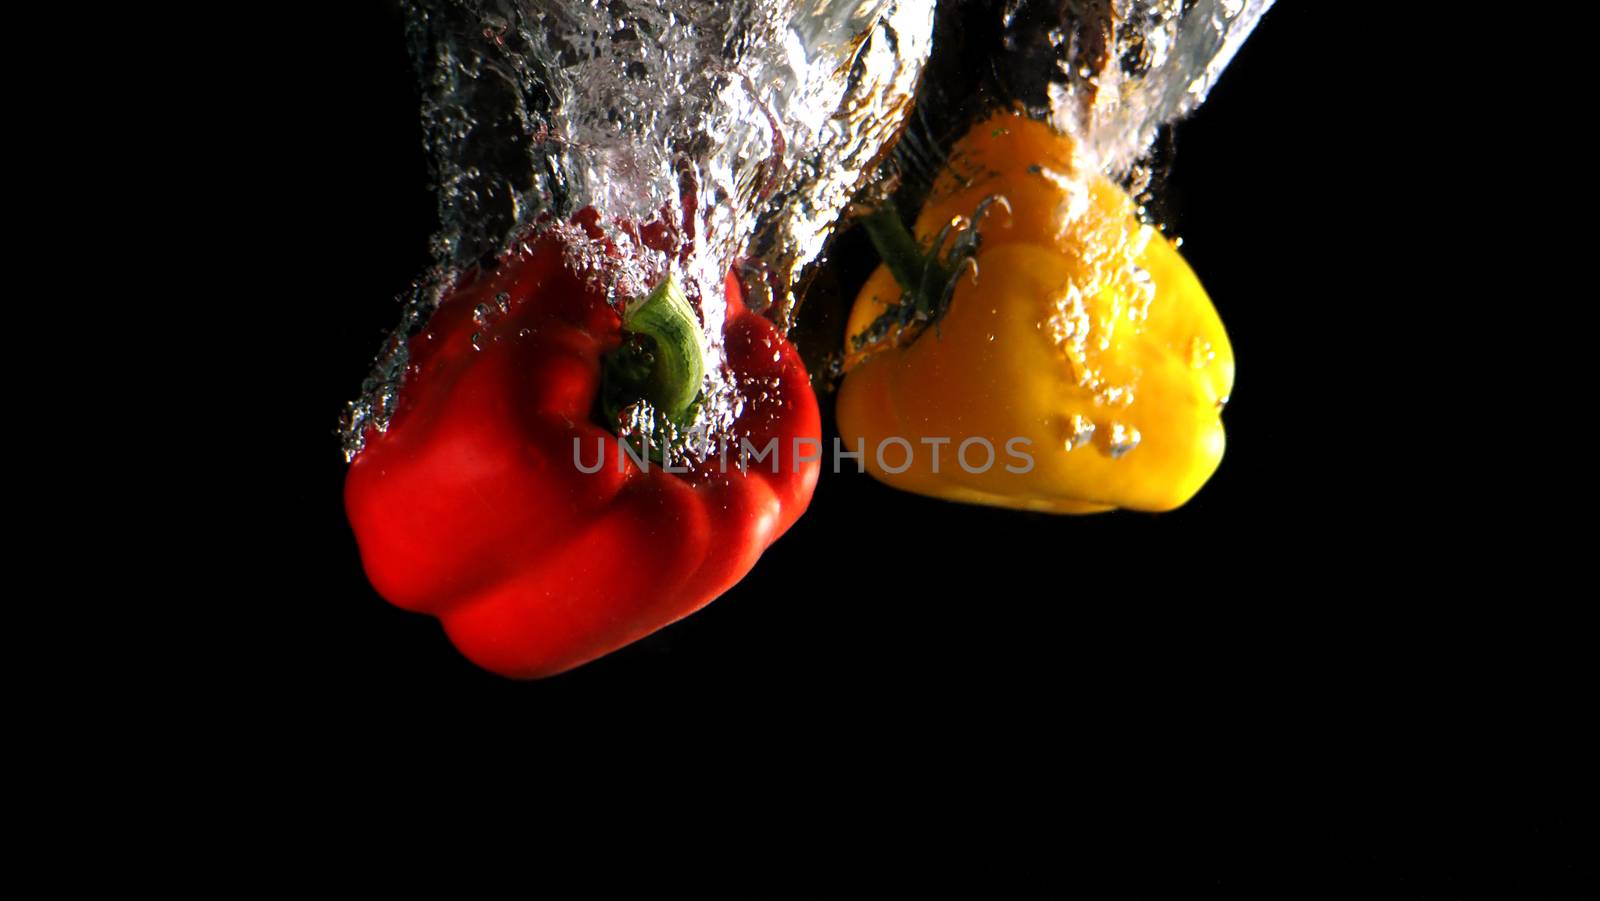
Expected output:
(928, 282)
(897, 247)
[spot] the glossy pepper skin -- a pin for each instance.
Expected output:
(1082, 332)
(472, 508)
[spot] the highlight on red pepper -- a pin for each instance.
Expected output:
(557, 479)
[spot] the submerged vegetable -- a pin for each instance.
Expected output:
(500, 500)
(1075, 337)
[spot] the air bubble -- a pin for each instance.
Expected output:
(1080, 431)
(1123, 439)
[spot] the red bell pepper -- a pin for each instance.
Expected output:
(472, 506)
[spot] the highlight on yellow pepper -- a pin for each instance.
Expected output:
(1075, 334)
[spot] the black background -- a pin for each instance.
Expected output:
(1302, 587)
(1337, 639)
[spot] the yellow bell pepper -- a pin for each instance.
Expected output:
(1080, 340)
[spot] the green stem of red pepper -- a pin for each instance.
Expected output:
(665, 362)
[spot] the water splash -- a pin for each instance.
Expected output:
(1119, 70)
(750, 124)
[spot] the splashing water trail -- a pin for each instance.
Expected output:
(751, 123)
(1115, 71)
